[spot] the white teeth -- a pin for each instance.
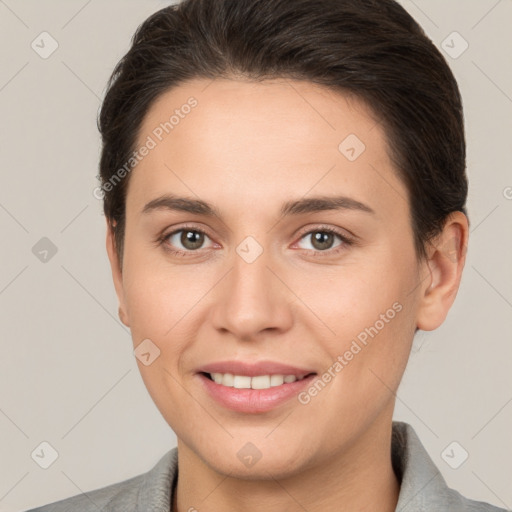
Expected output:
(260, 382)
(257, 382)
(217, 377)
(276, 380)
(241, 382)
(227, 379)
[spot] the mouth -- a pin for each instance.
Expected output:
(253, 394)
(254, 382)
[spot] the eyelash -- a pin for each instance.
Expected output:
(347, 241)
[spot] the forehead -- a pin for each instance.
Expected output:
(227, 138)
(259, 109)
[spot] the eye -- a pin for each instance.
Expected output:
(189, 238)
(322, 239)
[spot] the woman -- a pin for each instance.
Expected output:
(284, 187)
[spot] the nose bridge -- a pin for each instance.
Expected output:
(250, 276)
(253, 299)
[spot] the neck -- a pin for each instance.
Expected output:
(359, 478)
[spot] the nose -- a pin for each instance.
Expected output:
(252, 299)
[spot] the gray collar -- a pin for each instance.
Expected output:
(422, 488)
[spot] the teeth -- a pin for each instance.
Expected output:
(276, 380)
(217, 377)
(257, 382)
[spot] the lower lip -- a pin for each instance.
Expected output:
(254, 400)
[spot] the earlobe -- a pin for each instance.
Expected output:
(117, 276)
(443, 271)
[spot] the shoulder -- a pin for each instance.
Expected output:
(422, 485)
(147, 491)
(122, 493)
(459, 503)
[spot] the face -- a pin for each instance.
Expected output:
(270, 274)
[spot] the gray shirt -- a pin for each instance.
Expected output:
(422, 488)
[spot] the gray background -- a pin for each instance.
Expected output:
(67, 372)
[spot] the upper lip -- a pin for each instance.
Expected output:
(254, 369)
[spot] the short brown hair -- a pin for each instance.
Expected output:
(372, 49)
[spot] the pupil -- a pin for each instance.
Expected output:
(192, 239)
(321, 236)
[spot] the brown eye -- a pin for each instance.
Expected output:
(191, 239)
(185, 240)
(322, 240)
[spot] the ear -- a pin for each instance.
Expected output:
(446, 259)
(116, 273)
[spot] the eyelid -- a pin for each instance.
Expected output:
(347, 240)
(191, 227)
(342, 233)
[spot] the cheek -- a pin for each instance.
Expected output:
(151, 303)
(153, 289)
(352, 298)
(371, 312)
(164, 305)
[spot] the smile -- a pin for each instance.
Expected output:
(255, 382)
(253, 394)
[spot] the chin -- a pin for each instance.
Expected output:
(246, 460)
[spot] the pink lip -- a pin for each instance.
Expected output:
(253, 369)
(253, 401)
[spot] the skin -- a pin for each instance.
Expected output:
(247, 148)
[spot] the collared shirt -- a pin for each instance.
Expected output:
(422, 487)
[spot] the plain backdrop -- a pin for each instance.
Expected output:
(68, 376)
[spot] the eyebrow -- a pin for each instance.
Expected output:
(296, 207)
